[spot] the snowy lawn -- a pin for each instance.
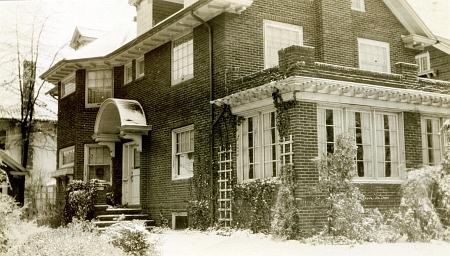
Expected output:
(193, 243)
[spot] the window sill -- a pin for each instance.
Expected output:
(175, 178)
(183, 81)
(366, 181)
(139, 77)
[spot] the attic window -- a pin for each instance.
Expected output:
(358, 5)
(423, 60)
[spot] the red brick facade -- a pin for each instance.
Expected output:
(330, 27)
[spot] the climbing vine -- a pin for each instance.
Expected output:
(282, 115)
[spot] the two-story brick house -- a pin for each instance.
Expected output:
(147, 117)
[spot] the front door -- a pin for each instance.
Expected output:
(131, 174)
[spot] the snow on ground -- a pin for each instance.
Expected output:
(192, 243)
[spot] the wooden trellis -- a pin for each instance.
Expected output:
(225, 172)
(286, 151)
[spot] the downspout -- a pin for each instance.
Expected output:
(211, 111)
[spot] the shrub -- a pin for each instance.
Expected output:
(132, 237)
(253, 202)
(199, 214)
(51, 215)
(8, 216)
(285, 220)
(417, 217)
(80, 200)
(74, 240)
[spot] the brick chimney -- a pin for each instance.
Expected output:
(296, 54)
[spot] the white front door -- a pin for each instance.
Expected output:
(131, 174)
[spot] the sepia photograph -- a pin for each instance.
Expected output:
(224, 127)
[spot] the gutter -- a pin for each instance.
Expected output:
(211, 110)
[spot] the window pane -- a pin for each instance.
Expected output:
(278, 36)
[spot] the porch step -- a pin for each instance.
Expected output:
(106, 223)
(109, 217)
(106, 216)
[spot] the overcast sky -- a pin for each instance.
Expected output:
(61, 16)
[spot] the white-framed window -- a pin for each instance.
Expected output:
(182, 59)
(68, 86)
(277, 36)
(99, 86)
(432, 141)
(358, 5)
(179, 220)
(2, 139)
(66, 157)
(374, 55)
(423, 61)
(378, 135)
(98, 163)
(258, 147)
(140, 67)
(128, 73)
(183, 152)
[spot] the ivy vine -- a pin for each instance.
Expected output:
(282, 115)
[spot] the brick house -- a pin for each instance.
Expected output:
(148, 116)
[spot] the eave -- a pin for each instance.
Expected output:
(178, 24)
(417, 42)
(327, 90)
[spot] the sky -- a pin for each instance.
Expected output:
(58, 19)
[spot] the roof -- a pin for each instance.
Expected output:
(9, 161)
(175, 25)
(300, 87)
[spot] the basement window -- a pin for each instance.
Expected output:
(179, 220)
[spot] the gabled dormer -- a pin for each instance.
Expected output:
(82, 36)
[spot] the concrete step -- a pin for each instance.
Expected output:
(101, 225)
(138, 216)
(106, 210)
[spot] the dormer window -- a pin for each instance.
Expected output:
(423, 60)
(358, 5)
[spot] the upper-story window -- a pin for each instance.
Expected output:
(378, 137)
(277, 36)
(423, 61)
(259, 150)
(374, 55)
(358, 5)
(183, 152)
(140, 67)
(431, 140)
(3, 139)
(128, 73)
(182, 59)
(68, 86)
(99, 87)
(66, 157)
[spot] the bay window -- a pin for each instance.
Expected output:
(258, 147)
(377, 134)
(431, 140)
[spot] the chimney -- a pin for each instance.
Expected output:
(144, 15)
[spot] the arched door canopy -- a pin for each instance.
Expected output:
(120, 119)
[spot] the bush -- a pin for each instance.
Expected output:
(75, 240)
(132, 237)
(8, 217)
(253, 202)
(51, 215)
(199, 214)
(285, 221)
(417, 217)
(80, 200)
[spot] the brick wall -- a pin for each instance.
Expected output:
(413, 139)
(440, 63)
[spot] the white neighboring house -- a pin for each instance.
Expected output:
(39, 185)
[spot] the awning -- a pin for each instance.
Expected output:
(120, 119)
(335, 91)
(15, 168)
